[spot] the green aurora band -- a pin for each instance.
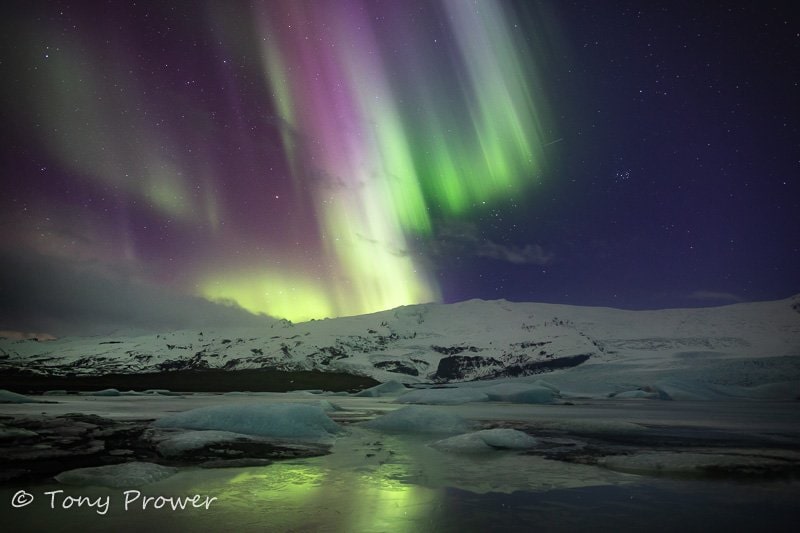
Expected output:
(387, 138)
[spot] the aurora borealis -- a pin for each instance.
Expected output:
(311, 159)
(375, 150)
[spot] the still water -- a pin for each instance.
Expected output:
(382, 483)
(374, 482)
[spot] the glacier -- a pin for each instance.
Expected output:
(739, 350)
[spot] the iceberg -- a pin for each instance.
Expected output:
(329, 406)
(521, 393)
(450, 396)
(637, 393)
(192, 440)
(280, 421)
(487, 440)
(104, 392)
(6, 396)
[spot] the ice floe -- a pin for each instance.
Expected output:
(449, 396)
(6, 396)
(521, 393)
(104, 392)
(486, 440)
(281, 420)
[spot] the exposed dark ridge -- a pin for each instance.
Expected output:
(462, 367)
(255, 380)
(540, 367)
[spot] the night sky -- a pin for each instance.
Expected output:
(318, 159)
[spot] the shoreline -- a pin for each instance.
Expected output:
(253, 380)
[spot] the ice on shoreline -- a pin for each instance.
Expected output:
(384, 389)
(538, 392)
(123, 475)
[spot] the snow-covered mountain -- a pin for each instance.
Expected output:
(745, 344)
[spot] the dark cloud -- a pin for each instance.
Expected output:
(464, 239)
(39, 293)
(395, 251)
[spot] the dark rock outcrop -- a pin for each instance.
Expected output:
(396, 366)
(468, 368)
(461, 367)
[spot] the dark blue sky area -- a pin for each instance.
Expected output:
(676, 183)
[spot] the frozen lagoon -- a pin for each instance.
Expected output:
(375, 481)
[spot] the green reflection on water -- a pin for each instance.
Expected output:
(310, 495)
(371, 482)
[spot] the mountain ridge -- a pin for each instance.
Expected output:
(465, 341)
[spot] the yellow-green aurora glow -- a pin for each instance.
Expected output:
(335, 143)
